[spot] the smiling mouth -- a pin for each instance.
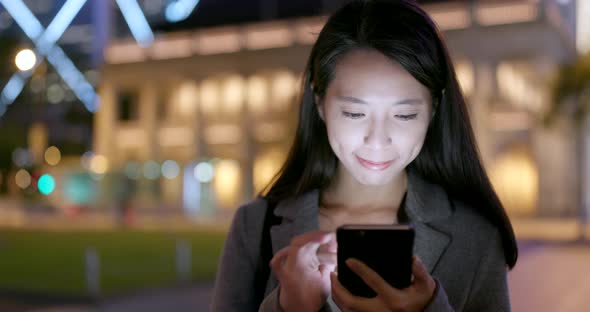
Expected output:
(376, 166)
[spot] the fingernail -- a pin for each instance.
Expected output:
(350, 263)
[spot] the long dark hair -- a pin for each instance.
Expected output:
(402, 31)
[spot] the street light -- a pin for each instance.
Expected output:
(25, 59)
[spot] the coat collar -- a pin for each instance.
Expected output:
(426, 204)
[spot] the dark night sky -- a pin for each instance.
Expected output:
(218, 12)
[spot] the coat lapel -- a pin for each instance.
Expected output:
(299, 215)
(429, 245)
(427, 204)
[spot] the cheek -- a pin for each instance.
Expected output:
(344, 136)
(344, 139)
(412, 141)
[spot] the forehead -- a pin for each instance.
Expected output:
(369, 73)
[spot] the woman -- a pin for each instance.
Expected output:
(384, 137)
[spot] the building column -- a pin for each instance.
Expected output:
(585, 170)
(247, 160)
(105, 123)
(480, 108)
(148, 120)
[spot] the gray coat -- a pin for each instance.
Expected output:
(460, 249)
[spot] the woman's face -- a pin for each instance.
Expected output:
(376, 116)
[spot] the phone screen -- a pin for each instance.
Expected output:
(387, 249)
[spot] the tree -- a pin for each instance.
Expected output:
(570, 96)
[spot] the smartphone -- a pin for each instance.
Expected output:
(387, 249)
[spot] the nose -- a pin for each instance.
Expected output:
(377, 136)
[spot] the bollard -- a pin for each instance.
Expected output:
(183, 260)
(92, 272)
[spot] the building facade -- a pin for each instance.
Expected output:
(211, 112)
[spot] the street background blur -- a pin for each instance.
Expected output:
(131, 130)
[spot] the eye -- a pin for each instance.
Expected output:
(406, 117)
(353, 115)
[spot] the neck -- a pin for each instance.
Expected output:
(345, 192)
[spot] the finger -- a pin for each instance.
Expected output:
(326, 269)
(304, 248)
(327, 258)
(317, 237)
(311, 248)
(331, 246)
(421, 276)
(345, 300)
(278, 260)
(370, 277)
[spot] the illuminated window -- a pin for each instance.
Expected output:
(283, 90)
(227, 182)
(270, 131)
(209, 96)
(465, 76)
(233, 94)
(506, 13)
(186, 99)
(516, 180)
(266, 166)
(223, 134)
(257, 94)
(583, 26)
(272, 35)
(516, 84)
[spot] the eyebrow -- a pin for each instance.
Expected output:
(354, 100)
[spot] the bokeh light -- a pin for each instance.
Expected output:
(25, 59)
(170, 169)
(133, 170)
(86, 159)
(204, 172)
(46, 184)
(99, 164)
(55, 94)
(151, 170)
(79, 188)
(21, 157)
(22, 179)
(52, 155)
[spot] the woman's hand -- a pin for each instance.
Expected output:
(413, 298)
(303, 269)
